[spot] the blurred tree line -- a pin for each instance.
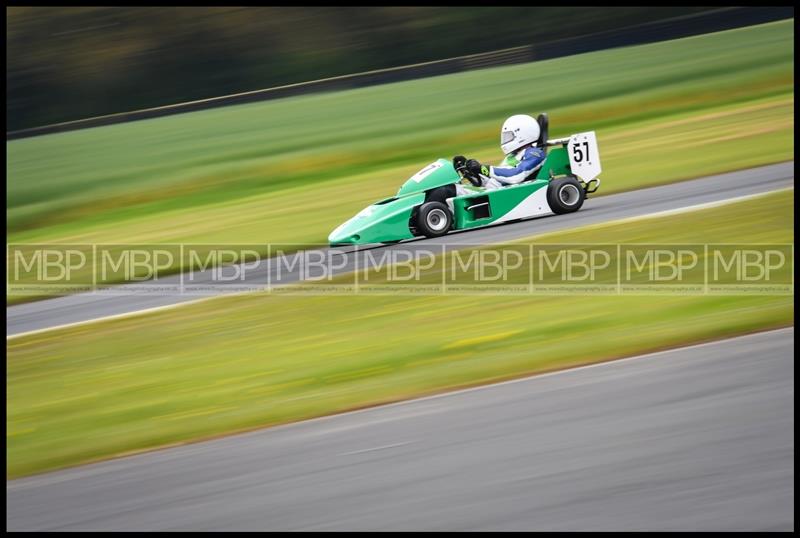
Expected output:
(67, 63)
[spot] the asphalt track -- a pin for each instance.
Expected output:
(697, 438)
(136, 297)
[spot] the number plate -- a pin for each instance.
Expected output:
(425, 172)
(584, 157)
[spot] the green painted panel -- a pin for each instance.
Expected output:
(501, 201)
(556, 164)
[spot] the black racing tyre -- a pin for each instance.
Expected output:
(565, 195)
(434, 219)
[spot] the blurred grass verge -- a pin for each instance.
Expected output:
(231, 364)
(290, 171)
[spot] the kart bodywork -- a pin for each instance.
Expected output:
(426, 204)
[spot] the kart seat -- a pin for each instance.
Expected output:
(541, 142)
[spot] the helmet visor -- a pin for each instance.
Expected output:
(506, 137)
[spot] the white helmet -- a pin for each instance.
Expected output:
(518, 131)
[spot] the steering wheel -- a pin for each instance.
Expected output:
(476, 182)
(460, 164)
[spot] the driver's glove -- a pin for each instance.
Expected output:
(459, 162)
(476, 168)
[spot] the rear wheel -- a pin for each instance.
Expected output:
(434, 219)
(565, 195)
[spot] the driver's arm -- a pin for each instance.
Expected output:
(531, 161)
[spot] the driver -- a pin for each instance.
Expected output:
(518, 138)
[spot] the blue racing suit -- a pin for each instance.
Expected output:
(515, 168)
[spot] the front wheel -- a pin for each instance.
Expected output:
(565, 195)
(434, 219)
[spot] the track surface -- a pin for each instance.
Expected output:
(698, 438)
(83, 307)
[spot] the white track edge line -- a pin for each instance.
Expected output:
(657, 214)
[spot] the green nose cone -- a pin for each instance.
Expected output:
(387, 220)
(343, 238)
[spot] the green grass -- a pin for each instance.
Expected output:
(290, 171)
(302, 164)
(230, 364)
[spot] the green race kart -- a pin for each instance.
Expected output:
(427, 204)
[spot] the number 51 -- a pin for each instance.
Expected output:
(579, 155)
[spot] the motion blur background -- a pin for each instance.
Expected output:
(72, 63)
(682, 99)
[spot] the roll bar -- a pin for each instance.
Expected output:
(557, 141)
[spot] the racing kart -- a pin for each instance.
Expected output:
(428, 205)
